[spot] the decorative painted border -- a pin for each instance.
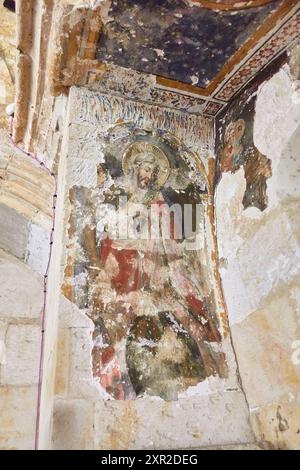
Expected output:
(160, 91)
(277, 43)
(272, 23)
(212, 108)
(231, 5)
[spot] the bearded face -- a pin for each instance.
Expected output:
(144, 175)
(144, 170)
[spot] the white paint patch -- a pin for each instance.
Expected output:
(82, 172)
(2, 353)
(38, 247)
(159, 52)
(194, 79)
(277, 116)
(20, 289)
(208, 386)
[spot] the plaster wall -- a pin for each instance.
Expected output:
(260, 266)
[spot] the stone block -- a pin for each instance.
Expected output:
(37, 254)
(21, 289)
(62, 362)
(200, 421)
(81, 381)
(22, 355)
(14, 231)
(18, 415)
(264, 346)
(277, 425)
(73, 425)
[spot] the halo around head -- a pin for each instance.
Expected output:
(235, 129)
(145, 148)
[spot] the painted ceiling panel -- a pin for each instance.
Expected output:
(176, 39)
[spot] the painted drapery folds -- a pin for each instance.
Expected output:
(142, 259)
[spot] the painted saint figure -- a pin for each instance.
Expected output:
(236, 152)
(155, 329)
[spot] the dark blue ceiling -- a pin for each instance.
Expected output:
(174, 38)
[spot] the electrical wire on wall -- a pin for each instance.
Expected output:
(43, 166)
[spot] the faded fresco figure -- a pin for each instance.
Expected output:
(257, 167)
(155, 328)
(232, 148)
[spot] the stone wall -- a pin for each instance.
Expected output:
(25, 222)
(259, 251)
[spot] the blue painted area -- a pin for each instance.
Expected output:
(175, 40)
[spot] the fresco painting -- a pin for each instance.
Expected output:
(146, 35)
(236, 149)
(146, 284)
